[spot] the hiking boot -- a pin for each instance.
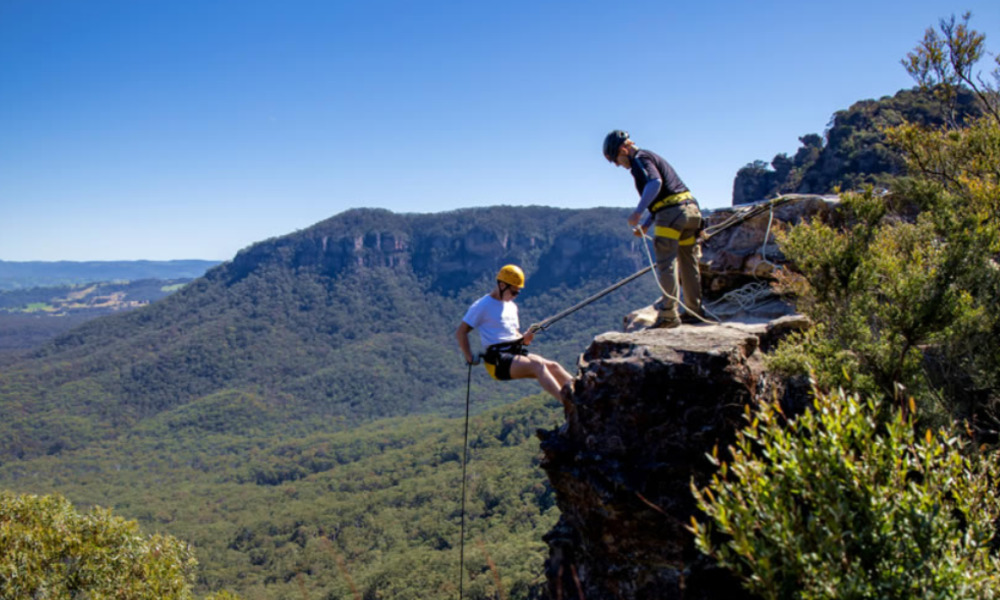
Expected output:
(692, 319)
(662, 322)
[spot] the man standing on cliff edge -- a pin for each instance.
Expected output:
(676, 218)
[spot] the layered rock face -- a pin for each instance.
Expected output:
(557, 247)
(646, 409)
(749, 251)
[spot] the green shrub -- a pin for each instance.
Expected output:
(48, 550)
(834, 505)
(905, 286)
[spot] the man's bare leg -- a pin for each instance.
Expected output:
(550, 374)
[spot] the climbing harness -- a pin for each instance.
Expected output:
(492, 359)
(679, 199)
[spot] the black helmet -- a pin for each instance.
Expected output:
(612, 142)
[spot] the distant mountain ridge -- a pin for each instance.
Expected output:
(349, 320)
(448, 250)
(23, 275)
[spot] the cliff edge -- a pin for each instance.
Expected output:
(645, 409)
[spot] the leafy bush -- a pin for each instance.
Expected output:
(48, 550)
(880, 290)
(833, 505)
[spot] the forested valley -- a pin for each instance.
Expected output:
(296, 414)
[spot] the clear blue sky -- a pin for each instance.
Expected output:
(169, 129)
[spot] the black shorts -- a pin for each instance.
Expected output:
(498, 358)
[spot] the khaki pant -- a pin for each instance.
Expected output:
(677, 257)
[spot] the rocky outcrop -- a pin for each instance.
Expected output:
(749, 251)
(853, 152)
(645, 410)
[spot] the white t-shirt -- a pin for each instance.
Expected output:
(496, 321)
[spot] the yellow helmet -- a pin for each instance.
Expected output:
(511, 275)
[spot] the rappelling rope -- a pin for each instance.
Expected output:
(749, 211)
(652, 264)
(465, 461)
(767, 235)
(543, 325)
(745, 297)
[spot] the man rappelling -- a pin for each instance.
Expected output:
(676, 220)
(495, 316)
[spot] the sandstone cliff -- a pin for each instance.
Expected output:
(645, 410)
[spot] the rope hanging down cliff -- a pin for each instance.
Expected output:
(465, 462)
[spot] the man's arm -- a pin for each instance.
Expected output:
(462, 336)
(649, 193)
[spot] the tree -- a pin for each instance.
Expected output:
(48, 550)
(904, 290)
(945, 61)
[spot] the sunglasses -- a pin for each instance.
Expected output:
(514, 292)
